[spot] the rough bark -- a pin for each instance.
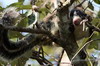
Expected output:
(66, 34)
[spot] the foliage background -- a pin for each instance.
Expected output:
(23, 7)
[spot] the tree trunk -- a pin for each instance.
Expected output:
(67, 34)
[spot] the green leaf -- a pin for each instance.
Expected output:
(20, 0)
(31, 19)
(20, 6)
(97, 1)
(94, 44)
(39, 2)
(1, 9)
(90, 6)
(85, 40)
(96, 35)
(95, 21)
(44, 12)
(28, 13)
(15, 4)
(15, 34)
(23, 22)
(98, 15)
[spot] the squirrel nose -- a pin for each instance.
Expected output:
(76, 20)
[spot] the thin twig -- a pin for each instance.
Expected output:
(83, 47)
(88, 24)
(60, 57)
(93, 27)
(55, 39)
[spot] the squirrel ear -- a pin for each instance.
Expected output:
(72, 13)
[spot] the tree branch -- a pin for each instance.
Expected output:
(93, 27)
(83, 47)
(88, 24)
(35, 31)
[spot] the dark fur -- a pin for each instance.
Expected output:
(78, 13)
(82, 15)
(10, 50)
